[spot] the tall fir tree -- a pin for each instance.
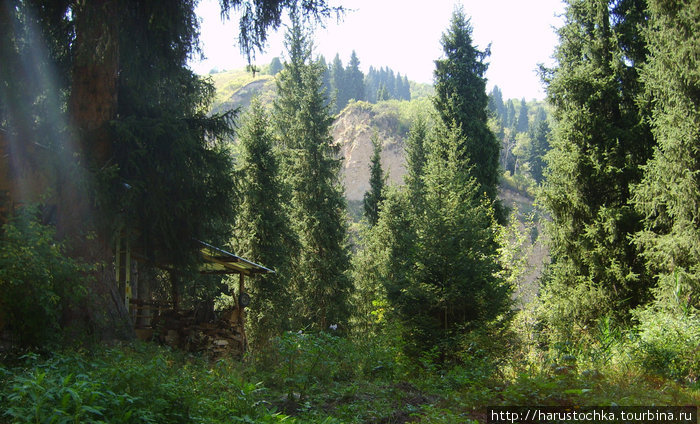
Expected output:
(669, 194)
(275, 66)
(354, 79)
(599, 143)
(312, 171)
(539, 139)
(523, 120)
(263, 231)
(416, 156)
(374, 197)
(338, 86)
(461, 101)
(453, 285)
(496, 106)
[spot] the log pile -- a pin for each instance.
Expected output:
(223, 337)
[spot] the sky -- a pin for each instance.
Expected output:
(405, 36)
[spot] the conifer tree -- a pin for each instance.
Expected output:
(338, 86)
(523, 123)
(539, 138)
(496, 106)
(317, 205)
(453, 285)
(262, 231)
(461, 101)
(374, 197)
(354, 79)
(509, 120)
(275, 66)
(669, 194)
(415, 162)
(598, 145)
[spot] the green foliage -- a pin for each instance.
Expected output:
(138, 384)
(599, 143)
(309, 360)
(275, 66)
(311, 170)
(455, 285)
(667, 344)
(38, 282)
(539, 146)
(461, 101)
(262, 230)
(374, 197)
(383, 84)
(434, 250)
(354, 79)
(669, 193)
(416, 157)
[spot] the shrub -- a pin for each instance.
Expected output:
(668, 343)
(37, 281)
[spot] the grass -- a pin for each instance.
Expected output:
(306, 378)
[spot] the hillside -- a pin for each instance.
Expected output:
(353, 127)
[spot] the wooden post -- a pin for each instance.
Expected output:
(127, 275)
(241, 313)
(117, 261)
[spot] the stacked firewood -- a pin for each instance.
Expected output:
(222, 337)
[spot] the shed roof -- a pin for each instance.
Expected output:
(219, 261)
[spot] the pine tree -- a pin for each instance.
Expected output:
(415, 162)
(539, 137)
(598, 145)
(453, 285)
(509, 120)
(262, 231)
(406, 92)
(354, 79)
(338, 85)
(275, 66)
(374, 197)
(669, 194)
(317, 204)
(461, 101)
(496, 106)
(523, 123)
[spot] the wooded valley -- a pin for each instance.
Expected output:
(302, 242)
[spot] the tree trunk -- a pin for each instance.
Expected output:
(92, 105)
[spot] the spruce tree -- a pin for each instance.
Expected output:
(539, 138)
(416, 155)
(523, 124)
(453, 286)
(275, 66)
(509, 120)
(599, 143)
(317, 206)
(354, 79)
(669, 194)
(461, 101)
(496, 106)
(262, 231)
(338, 85)
(374, 197)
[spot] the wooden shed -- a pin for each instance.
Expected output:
(166, 322)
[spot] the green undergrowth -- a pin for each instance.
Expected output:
(311, 378)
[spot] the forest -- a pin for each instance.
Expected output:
(171, 256)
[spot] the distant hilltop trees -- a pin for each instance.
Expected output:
(345, 83)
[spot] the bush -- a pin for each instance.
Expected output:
(37, 281)
(129, 384)
(668, 343)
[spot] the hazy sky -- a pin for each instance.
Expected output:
(405, 36)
